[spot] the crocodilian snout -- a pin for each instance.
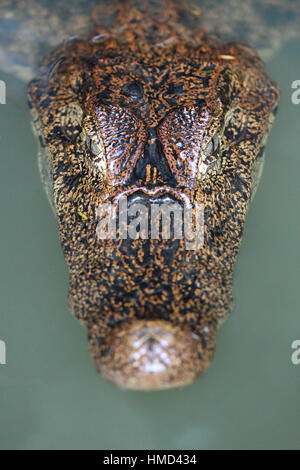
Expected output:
(149, 354)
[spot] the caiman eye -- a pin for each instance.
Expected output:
(209, 156)
(95, 148)
(95, 153)
(212, 146)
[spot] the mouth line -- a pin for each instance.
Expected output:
(153, 195)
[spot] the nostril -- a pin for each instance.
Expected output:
(151, 354)
(147, 198)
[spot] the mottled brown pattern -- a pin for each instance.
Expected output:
(154, 109)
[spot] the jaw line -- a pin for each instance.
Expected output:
(153, 193)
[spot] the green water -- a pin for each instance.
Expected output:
(50, 395)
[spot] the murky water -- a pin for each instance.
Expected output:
(50, 394)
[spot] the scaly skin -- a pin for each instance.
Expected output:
(150, 97)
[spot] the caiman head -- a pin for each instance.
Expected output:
(152, 112)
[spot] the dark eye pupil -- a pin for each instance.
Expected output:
(212, 146)
(92, 147)
(88, 142)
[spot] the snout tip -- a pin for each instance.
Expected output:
(151, 354)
